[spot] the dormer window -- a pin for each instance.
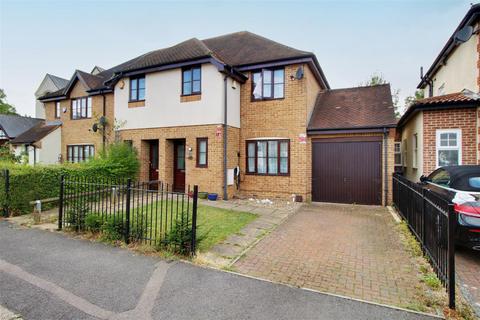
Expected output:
(137, 88)
(191, 81)
(268, 84)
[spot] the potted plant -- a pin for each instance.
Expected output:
(212, 196)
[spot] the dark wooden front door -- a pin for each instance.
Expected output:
(347, 172)
(179, 166)
(153, 160)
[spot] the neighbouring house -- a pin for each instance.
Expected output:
(50, 83)
(41, 143)
(443, 128)
(237, 115)
(11, 126)
(83, 109)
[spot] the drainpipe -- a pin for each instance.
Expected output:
(105, 117)
(385, 165)
(225, 139)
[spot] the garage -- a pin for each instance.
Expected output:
(347, 171)
(349, 130)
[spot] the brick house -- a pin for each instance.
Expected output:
(233, 114)
(443, 128)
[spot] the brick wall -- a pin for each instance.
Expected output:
(208, 179)
(464, 119)
(283, 118)
(79, 131)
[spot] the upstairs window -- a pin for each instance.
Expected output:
(449, 147)
(82, 108)
(191, 81)
(57, 110)
(202, 152)
(268, 84)
(268, 157)
(137, 88)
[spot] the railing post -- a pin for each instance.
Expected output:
(194, 220)
(127, 211)
(452, 221)
(60, 206)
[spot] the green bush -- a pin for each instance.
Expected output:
(28, 183)
(112, 230)
(93, 223)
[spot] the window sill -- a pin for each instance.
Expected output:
(136, 104)
(76, 119)
(190, 98)
(267, 175)
(201, 166)
(266, 99)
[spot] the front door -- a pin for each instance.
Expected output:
(153, 161)
(179, 166)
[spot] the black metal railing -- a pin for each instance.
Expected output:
(145, 212)
(432, 220)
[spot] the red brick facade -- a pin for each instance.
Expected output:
(464, 119)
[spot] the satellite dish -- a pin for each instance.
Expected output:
(102, 120)
(95, 127)
(299, 73)
(464, 34)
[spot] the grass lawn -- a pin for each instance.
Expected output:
(155, 220)
(219, 224)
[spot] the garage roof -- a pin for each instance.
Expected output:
(353, 108)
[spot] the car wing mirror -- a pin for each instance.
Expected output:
(423, 179)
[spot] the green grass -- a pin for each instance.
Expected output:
(217, 224)
(214, 225)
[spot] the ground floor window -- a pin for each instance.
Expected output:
(202, 152)
(268, 157)
(80, 153)
(398, 153)
(449, 147)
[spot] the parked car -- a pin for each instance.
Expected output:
(461, 186)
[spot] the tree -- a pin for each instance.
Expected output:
(5, 107)
(419, 94)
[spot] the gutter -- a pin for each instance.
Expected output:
(378, 129)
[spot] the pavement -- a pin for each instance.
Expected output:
(467, 265)
(349, 250)
(46, 275)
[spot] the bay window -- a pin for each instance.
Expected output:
(268, 157)
(449, 147)
(268, 84)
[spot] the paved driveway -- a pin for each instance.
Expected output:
(44, 275)
(468, 272)
(342, 249)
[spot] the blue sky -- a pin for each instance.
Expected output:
(352, 39)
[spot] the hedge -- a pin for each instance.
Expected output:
(29, 183)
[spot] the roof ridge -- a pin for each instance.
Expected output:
(356, 88)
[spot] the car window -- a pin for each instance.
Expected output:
(440, 177)
(474, 182)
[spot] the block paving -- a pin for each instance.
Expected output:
(348, 250)
(467, 264)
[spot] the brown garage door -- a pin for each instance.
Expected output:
(347, 172)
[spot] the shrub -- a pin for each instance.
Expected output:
(29, 183)
(93, 223)
(112, 230)
(179, 238)
(76, 214)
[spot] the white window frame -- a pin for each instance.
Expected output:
(395, 152)
(415, 151)
(458, 147)
(405, 153)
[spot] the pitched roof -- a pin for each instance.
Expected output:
(15, 125)
(353, 108)
(244, 48)
(469, 19)
(57, 81)
(462, 99)
(235, 49)
(34, 134)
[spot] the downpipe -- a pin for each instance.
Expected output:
(225, 139)
(385, 166)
